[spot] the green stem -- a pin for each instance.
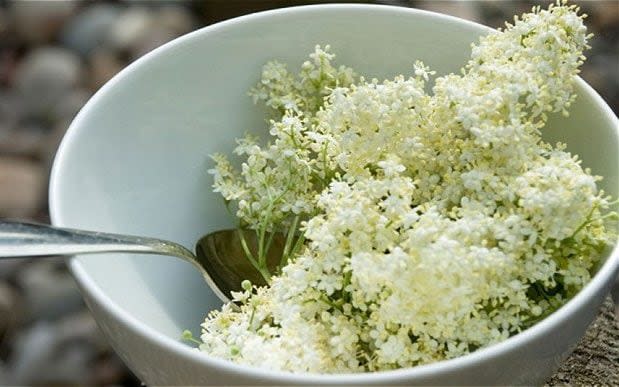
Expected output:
(262, 262)
(265, 274)
(289, 237)
(609, 204)
(247, 251)
(227, 205)
(605, 216)
(297, 245)
(262, 269)
(293, 139)
(188, 336)
(260, 237)
(586, 222)
(262, 232)
(269, 243)
(251, 318)
(328, 173)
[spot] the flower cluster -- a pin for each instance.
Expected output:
(435, 224)
(278, 183)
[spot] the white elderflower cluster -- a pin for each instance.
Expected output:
(282, 92)
(432, 224)
(278, 182)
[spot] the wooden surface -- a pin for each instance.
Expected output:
(595, 361)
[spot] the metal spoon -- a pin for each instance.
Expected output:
(219, 255)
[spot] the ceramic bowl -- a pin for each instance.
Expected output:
(135, 159)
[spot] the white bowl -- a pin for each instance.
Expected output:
(135, 159)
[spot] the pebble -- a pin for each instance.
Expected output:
(157, 36)
(88, 29)
(69, 350)
(462, 9)
(109, 371)
(23, 142)
(37, 22)
(4, 22)
(167, 23)
(133, 25)
(45, 76)
(68, 106)
(52, 142)
(32, 348)
(64, 113)
(8, 60)
(10, 308)
(9, 111)
(55, 360)
(139, 30)
(103, 65)
(22, 187)
(9, 267)
(80, 327)
(176, 19)
(49, 291)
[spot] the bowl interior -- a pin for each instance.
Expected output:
(135, 160)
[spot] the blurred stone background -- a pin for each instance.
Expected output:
(53, 56)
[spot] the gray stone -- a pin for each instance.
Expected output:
(55, 361)
(9, 111)
(37, 22)
(80, 326)
(52, 142)
(31, 350)
(4, 375)
(88, 29)
(61, 352)
(70, 105)
(103, 65)
(4, 21)
(72, 364)
(166, 23)
(23, 142)
(130, 28)
(49, 292)
(157, 36)
(45, 77)
(109, 370)
(175, 19)
(9, 267)
(462, 9)
(22, 187)
(10, 308)
(9, 57)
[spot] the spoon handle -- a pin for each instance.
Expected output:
(20, 239)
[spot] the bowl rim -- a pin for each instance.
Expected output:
(608, 271)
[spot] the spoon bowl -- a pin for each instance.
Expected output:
(221, 255)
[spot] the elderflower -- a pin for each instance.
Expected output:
(430, 225)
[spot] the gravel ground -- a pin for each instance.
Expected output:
(54, 55)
